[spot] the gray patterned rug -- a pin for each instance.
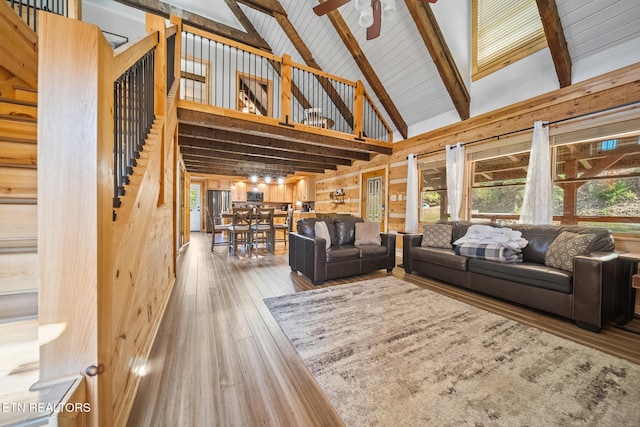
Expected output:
(389, 353)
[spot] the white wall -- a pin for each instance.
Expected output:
(114, 17)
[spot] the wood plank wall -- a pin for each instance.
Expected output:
(108, 281)
(614, 89)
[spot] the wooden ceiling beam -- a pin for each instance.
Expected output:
(367, 70)
(240, 148)
(265, 6)
(437, 46)
(555, 39)
(281, 132)
(244, 168)
(236, 136)
(267, 160)
(165, 9)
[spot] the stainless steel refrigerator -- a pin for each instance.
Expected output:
(218, 201)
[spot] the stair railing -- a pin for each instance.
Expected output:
(133, 115)
(28, 9)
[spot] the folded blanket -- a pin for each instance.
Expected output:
(489, 251)
(503, 236)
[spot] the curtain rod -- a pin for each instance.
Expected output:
(531, 128)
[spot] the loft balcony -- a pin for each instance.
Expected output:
(243, 111)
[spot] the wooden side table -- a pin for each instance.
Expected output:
(632, 259)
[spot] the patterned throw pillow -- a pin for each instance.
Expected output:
(565, 247)
(437, 236)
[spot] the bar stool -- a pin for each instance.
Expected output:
(285, 227)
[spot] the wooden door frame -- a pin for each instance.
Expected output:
(385, 196)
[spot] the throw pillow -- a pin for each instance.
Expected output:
(368, 233)
(322, 231)
(437, 236)
(565, 247)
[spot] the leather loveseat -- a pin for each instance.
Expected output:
(309, 255)
(588, 295)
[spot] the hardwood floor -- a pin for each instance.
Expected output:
(221, 359)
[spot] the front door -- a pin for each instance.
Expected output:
(372, 208)
(194, 207)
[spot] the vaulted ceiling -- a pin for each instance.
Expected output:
(417, 70)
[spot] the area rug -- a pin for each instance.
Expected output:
(389, 353)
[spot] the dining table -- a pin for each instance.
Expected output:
(228, 217)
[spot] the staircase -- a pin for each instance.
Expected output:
(19, 350)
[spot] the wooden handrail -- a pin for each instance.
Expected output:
(128, 54)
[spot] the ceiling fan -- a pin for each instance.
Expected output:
(371, 12)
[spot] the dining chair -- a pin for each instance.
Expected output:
(284, 227)
(240, 229)
(221, 229)
(263, 230)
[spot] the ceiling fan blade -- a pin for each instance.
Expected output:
(429, 1)
(328, 6)
(374, 30)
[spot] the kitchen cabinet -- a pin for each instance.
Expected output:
(306, 190)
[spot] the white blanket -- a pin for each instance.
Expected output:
(505, 237)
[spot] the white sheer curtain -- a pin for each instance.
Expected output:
(411, 215)
(455, 178)
(537, 206)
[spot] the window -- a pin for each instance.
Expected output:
(504, 31)
(194, 80)
(601, 182)
(433, 190)
(253, 94)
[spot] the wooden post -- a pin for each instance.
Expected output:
(157, 23)
(177, 21)
(75, 190)
(285, 103)
(358, 110)
(75, 10)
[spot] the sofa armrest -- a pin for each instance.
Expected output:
(409, 241)
(595, 279)
(308, 255)
(389, 241)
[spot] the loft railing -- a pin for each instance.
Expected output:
(133, 115)
(226, 74)
(28, 9)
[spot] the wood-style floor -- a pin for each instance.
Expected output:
(220, 359)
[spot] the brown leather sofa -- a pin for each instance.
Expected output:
(309, 256)
(590, 295)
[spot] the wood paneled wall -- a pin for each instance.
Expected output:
(611, 90)
(107, 281)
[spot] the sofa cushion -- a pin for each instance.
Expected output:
(306, 227)
(566, 247)
(440, 256)
(437, 236)
(541, 236)
(346, 230)
(322, 232)
(367, 233)
(532, 274)
(342, 253)
(369, 251)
